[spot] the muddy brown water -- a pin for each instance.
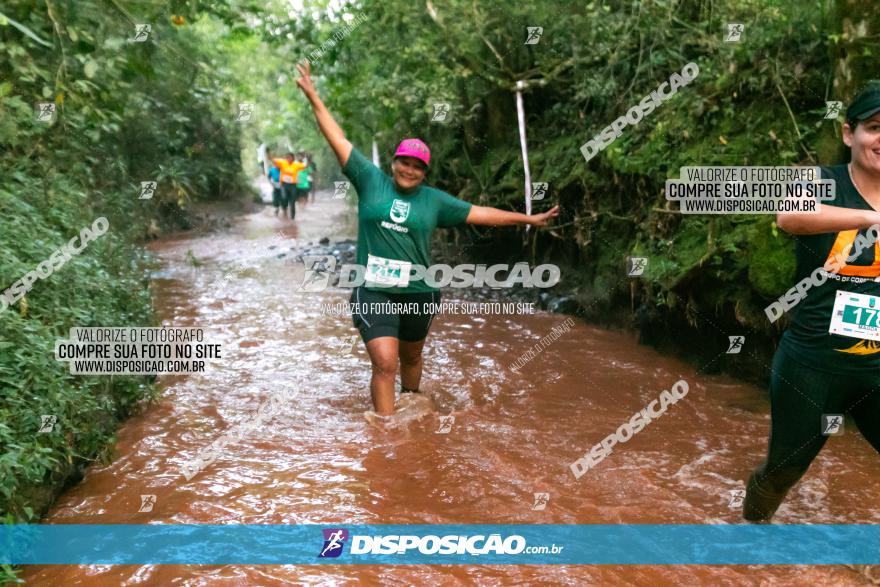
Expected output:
(318, 461)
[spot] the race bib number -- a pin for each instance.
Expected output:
(387, 272)
(856, 315)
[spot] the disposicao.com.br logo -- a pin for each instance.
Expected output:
(451, 544)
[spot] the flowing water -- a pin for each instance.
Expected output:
(320, 461)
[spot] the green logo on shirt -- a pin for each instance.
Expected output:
(399, 211)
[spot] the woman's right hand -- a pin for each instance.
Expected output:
(305, 78)
(329, 127)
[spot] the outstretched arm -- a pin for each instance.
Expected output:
(829, 219)
(331, 130)
(495, 217)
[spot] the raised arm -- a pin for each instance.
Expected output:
(269, 156)
(495, 217)
(829, 219)
(331, 130)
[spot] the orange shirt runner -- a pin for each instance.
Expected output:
(289, 169)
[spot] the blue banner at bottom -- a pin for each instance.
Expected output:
(461, 544)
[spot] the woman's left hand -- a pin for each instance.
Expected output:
(543, 218)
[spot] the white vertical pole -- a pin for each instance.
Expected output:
(376, 154)
(520, 113)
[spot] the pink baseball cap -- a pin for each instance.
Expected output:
(414, 148)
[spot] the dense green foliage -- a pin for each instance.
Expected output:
(126, 112)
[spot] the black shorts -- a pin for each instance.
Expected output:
(302, 193)
(405, 316)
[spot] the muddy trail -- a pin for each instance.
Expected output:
(514, 434)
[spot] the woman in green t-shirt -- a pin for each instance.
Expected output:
(396, 216)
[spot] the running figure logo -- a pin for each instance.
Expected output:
(148, 188)
(346, 345)
(734, 32)
(441, 111)
(245, 112)
(399, 211)
(141, 32)
(832, 109)
(340, 189)
(539, 190)
(318, 271)
(533, 34)
(334, 541)
(635, 266)
(147, 503)
(736, 498)
(541, 500)
(736, 344)
(832, 424)
(44, 111)
(47, 423)
(445, 424)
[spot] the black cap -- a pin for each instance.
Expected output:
(866, 104)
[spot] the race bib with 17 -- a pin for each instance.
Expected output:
(856, 315)
(387, 272)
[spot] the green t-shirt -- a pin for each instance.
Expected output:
(395, 228)
(808, 337)
(303, 178)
